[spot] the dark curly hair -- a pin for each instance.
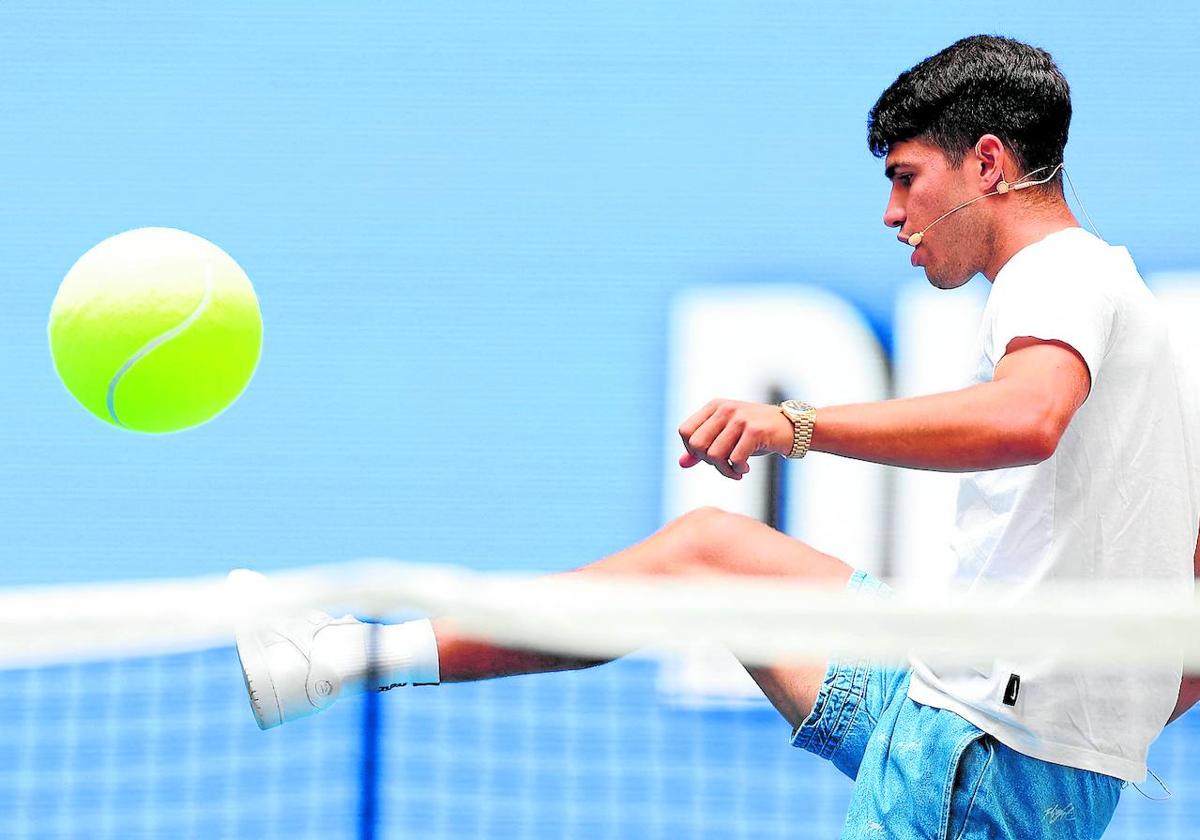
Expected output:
(984, 84)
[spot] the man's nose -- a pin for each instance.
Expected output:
(894, 215)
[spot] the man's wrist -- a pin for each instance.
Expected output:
(783, 440)
(803, 418)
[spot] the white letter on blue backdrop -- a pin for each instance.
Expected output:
(740, 343)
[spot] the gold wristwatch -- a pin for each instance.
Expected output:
(803, 417)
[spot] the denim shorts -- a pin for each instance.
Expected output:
(924, 772)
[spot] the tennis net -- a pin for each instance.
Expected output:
(125, 715)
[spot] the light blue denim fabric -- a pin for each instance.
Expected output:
(923, 772)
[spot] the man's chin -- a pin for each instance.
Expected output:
(944, 281)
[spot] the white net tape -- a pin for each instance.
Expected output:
(761, 620)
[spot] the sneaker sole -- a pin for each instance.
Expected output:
(252, 655)
(264, 702)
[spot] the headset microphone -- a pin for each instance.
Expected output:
(1001, 188)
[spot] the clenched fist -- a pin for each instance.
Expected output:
(726, 433)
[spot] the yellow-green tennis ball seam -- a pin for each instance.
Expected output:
(155, 330)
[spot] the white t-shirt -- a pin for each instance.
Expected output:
(1119, 499)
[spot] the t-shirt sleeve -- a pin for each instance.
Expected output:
(1070, 307)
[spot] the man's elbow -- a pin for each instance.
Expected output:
(1044, 439)
(1037, 436)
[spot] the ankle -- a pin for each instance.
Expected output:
(404, 654)
(379, 656)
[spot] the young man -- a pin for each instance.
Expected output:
(1076, 465)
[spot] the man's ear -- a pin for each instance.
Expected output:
(989, 161)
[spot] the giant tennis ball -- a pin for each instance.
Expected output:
(155, 330)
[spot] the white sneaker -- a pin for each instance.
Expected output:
(284, 679)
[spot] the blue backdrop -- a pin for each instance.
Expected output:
(465, 223)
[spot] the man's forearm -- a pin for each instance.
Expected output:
(1016, 419)
(983, 427)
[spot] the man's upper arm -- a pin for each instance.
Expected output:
(1051, 375)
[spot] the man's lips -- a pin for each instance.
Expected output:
(901, 237)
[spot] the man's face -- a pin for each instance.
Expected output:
(924, 186)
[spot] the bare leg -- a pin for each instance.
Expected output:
(703, 542)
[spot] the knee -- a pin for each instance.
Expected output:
(701, 537)
(702, 519)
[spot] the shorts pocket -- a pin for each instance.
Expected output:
(970, 770)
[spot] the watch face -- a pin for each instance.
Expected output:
(794, 408)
